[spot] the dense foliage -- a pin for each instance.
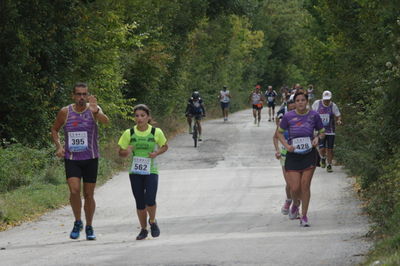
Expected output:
(156, 52)
(354, 50)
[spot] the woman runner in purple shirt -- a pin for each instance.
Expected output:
(301, 158)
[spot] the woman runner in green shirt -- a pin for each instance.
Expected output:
(144, 142)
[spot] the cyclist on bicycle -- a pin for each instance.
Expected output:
(195, 108)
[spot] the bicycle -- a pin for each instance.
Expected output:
(195, 133)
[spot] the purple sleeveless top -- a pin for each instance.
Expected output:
(81, 137)
(327, 116)
(300, 126)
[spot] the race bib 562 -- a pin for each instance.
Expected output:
(141, 165)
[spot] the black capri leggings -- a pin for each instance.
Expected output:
(144, 188)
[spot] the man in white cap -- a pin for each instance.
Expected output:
(330, 116)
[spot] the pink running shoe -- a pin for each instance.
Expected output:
(304, 221)
(294, 212)
(286, 207)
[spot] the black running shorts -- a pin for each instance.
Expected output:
(301, 162)
(257, 107)
(327, 142)
(86, 169)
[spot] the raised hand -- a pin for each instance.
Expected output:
(93, 103)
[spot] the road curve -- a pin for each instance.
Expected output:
(218, 204)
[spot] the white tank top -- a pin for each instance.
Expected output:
(256, 98)
(224, 97)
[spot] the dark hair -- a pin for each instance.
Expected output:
(144, 108)
(79, 85)
(300, 93)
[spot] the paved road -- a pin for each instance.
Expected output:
(219, 204)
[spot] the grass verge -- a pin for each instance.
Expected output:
(47, 190)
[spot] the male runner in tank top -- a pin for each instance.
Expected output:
(330, 115)
(80, 153)
(270, 95)
(257, 99)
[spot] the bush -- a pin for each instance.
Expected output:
(23, 166)
(385, 196)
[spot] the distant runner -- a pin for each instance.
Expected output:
(270, 95)
(329, 113)
(311, 93)
(225, 98)
(144, 143)
(257, 99)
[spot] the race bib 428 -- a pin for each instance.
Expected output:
(302, 145)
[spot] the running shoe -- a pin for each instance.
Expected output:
(323, 162)
(329, 168)
(142, 235)
(286, 206)
(199, 138)
(269, 120)
(258, 124)
(155, 230)
(78, 226)
(255, 121)
(273, 119)
(304, 221)
(294, 212)
(90, 233)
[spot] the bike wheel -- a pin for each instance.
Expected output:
(195, 135)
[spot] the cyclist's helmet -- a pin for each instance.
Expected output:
(195, 95)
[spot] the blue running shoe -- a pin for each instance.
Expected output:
(142, 235)
(90, 233)
(155, 230)
(78, 226)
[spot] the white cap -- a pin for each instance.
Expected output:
(326, 95)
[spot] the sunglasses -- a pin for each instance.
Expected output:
(81, 94)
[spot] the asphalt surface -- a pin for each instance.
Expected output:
(218, 204)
